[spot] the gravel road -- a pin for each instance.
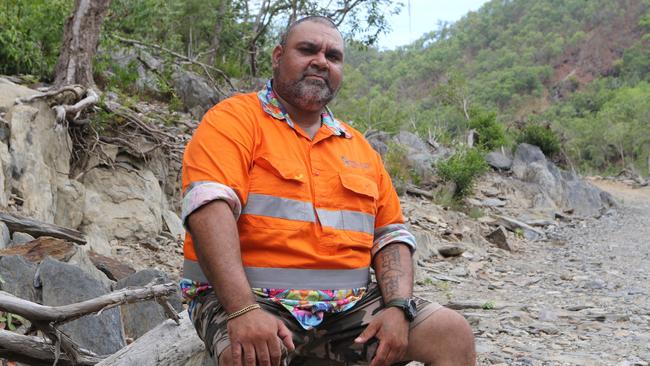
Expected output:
(581, 297)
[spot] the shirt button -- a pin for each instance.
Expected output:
(316, 173)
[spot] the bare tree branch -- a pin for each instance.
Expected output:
(65, 313)
(178, 55)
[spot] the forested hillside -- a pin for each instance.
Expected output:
(580, 67)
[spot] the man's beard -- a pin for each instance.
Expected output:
(310, 94)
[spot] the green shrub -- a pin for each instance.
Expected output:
(463, 168)
(491, 134)
(30, 35)
(398, 166)
(541, 136)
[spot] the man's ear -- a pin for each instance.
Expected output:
(275, 56)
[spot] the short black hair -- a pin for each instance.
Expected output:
(310, 18)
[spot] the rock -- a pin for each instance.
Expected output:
(82, 260)
(174, 224)
(17, 277)
(529, 232)
(37, 249)
(411, 141)
(64, 284)
(5, 236)
(498, 160)
(565, 190)
(138, 61)
(595, 284)
(491, 191)
(19, 238)
(194, 91)
(547, 315)
(499, 237)
(120, 205)
(451, 251)
(39, 149)
(493, 202)
(113, 269)
(5, 174)
(141, 317)
(69, 203)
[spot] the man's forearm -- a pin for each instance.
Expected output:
(394, 271)
(216, 241)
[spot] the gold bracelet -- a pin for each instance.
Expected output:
(243, 311)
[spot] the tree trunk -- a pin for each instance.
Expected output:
(80, 37)
(218, 26)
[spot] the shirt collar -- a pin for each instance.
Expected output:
(274, 108)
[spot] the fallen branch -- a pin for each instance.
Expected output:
(36, 351)
(66, 313)
(166, 344)
(419, 192)
(38, 228)
(48, 318)
(78, 90)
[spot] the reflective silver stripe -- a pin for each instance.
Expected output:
(347, 220)
(321, 279)
(381, 231)
(290, 278)
(192, 271)
(283, 208)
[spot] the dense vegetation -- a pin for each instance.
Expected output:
(577, 70)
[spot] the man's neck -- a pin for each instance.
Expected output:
(309, 121)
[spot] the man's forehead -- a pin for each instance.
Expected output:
(315, 32)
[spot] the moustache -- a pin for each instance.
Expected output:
(322, 75)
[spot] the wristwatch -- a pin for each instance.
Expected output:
(407, 306)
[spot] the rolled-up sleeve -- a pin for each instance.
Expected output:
(217, 160)
(389, 221)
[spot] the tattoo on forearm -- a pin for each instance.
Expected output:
(389, 272)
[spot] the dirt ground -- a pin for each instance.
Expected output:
(581, 297)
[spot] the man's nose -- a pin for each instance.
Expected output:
(320, 61)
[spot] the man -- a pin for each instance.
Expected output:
(287, 208)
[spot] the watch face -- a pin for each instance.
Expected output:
(411, 310)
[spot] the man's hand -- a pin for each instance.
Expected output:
(391, 328)
(255, 339)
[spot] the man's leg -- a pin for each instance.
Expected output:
(442, 339)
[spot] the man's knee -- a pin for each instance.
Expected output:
(444, 338)
(225, 358)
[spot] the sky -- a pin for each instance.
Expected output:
(424, 17)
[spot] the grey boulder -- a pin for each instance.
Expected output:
(64, 284)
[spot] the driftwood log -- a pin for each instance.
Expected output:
(47, 319)
(38, 228)
(166, 344)
(36, 351)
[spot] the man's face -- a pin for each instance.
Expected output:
(308, 70)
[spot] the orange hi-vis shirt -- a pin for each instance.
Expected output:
(310, 212)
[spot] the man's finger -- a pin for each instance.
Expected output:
(262, 354)
(380, 355)
(285, 336)
(275, 351)
(249, 358)
(368, 333)
(236, 354)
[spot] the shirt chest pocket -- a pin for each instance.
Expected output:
(278, 196)
(355, 206)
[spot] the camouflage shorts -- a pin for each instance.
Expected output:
(331, 343)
